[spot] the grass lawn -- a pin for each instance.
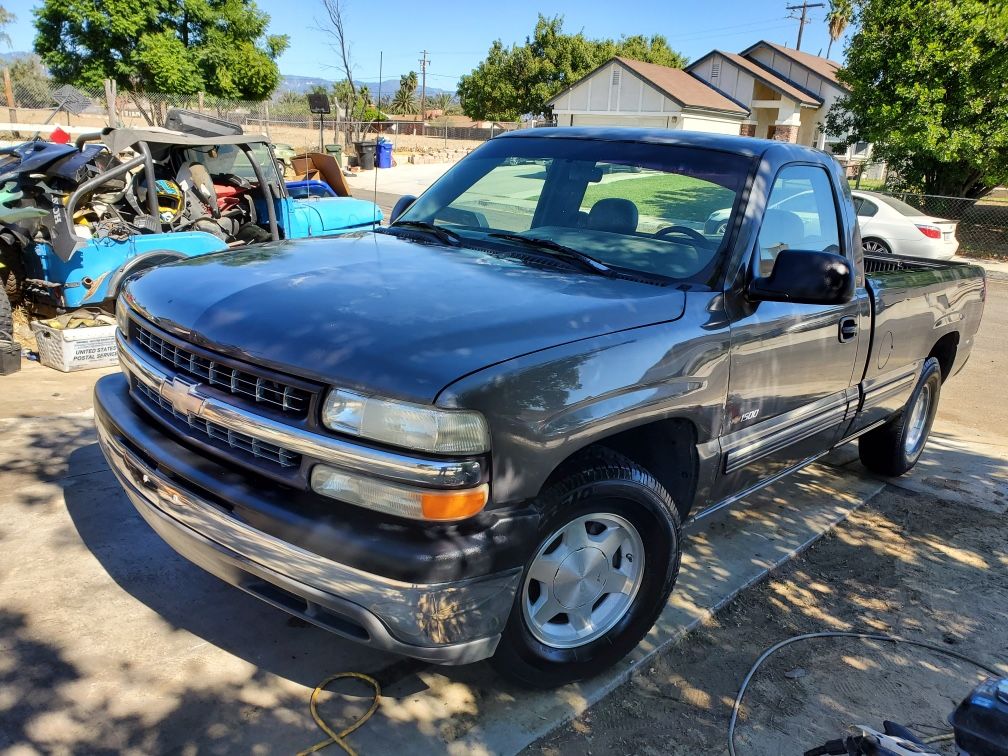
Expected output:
(664, 195)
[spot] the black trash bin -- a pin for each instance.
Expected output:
(366, 154)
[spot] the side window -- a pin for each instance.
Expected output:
(865, 209)
(801, 214)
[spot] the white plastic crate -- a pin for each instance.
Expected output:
(69, 349)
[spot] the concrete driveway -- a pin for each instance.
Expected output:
(112, 642)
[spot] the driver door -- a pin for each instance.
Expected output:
(792, 364)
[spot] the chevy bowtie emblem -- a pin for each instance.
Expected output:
(183, 395)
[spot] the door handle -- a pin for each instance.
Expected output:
(848, 329)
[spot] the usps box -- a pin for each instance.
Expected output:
(69, 349)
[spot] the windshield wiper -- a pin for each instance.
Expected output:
(443, 234)
(587, 262)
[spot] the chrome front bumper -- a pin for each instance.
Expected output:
(445, 623)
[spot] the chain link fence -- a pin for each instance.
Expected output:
(983, 223)
(286, 119)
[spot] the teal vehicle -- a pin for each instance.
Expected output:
(77, 220)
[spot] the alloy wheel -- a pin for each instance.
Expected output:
(583, 580)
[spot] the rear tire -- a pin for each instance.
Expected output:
(12, 274)
(895, 447)
(6, 319)
(607, 559)
(875, 247)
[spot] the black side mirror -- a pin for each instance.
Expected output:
(806, 278)
(401, 206)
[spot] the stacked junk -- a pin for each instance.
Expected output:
(76, 220)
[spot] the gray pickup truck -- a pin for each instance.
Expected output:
(479, 432)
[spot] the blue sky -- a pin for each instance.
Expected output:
(457, 36)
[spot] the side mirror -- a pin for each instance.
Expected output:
(401, 206)
(806, 278)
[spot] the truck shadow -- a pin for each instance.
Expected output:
(426, 708)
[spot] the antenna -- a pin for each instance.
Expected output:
(374, 216)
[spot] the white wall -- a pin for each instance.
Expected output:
(598, 94)
(732, 80)
(624, 120)
(710, 124)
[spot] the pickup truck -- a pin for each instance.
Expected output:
(479, 432)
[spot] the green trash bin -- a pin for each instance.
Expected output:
(336, 151)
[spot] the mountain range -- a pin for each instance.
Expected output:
(302, 84)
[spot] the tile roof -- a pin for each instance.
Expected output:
(683, 87)
(770, 78)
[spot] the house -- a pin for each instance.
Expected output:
(767, 91)
(625, 92)
(787, 92)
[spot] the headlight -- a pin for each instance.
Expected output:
(122, 316)
(411, 426)
(392, 498)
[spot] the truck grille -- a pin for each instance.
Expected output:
(289, 399)
(241, 442)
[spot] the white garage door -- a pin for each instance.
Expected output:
(626, 121)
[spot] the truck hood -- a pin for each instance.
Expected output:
(387, 315)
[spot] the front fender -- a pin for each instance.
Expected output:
(544, 407)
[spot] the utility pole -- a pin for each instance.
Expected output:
(423, 85)
(804, 17)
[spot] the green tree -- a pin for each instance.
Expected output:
(927, 87)
(511, 82)
(837, 19)
(179, 47)
(404, 100)
(30, 82)
(442, 101)
(6, 19)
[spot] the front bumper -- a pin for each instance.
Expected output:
(452, 622)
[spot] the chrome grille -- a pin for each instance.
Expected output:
(229, 438)
(238, 382)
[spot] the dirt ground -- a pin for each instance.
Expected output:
(891, 568)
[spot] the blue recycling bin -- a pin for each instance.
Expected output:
(384, 154)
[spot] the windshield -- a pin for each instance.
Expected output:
(231, 160)
(652, 208)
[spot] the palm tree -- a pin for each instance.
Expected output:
(442, 102)
(404, 102)
(837, 19)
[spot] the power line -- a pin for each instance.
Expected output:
(804, 17)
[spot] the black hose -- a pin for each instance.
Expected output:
(836, 634)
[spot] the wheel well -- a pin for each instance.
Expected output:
(665, 448)
(945, 351)
(139, 263)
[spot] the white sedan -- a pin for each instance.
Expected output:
(890, 226)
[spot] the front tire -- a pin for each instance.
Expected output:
(605, 564)
(895, 447)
